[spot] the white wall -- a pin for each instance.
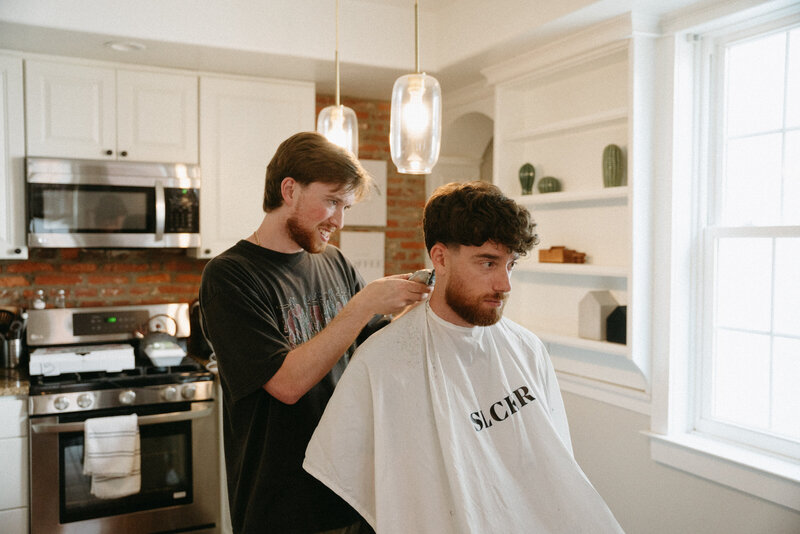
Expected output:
(649, 498)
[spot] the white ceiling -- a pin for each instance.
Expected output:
(296, 38)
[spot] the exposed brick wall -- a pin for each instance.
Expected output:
(97, 277)
(94, 277)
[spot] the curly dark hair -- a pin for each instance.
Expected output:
(473, 213)
(309, 157)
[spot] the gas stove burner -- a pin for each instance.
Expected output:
(95, 354)
(137, 377)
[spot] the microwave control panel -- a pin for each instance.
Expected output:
(183, 208)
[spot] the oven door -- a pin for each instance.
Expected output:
(69, 215)
(179, 464)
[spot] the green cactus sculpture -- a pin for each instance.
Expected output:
(612, 166)
(526, 175)
(548, 184)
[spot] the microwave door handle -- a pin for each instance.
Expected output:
(198, 410)
(161, 211)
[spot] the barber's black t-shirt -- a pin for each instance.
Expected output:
(257, 305)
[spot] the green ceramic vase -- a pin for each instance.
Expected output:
(548, 184)
(612, 166)
(526, 176)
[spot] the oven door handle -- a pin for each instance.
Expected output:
(198, 410)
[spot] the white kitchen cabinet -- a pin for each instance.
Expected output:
(242, 122)
(89, 112)
(12, 161)
(557, 108)
(14, 452)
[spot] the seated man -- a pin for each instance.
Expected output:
(450, 419)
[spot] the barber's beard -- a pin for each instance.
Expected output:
(471, 307)
(308, 239)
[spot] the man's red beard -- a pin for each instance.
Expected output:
(307, 239)
(470, 309)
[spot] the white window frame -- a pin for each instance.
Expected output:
(711, 147)
(676, 438)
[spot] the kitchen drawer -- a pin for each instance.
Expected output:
(14, 489)
(13, 417)
(14, 521)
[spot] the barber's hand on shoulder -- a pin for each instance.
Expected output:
(392, 294)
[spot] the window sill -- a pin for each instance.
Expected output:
(768, 477)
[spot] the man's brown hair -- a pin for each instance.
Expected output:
(309, 157)
(473, 213)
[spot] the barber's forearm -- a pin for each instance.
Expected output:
(307, 364)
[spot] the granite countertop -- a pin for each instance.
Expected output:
(13, 382)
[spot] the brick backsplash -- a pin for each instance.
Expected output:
(96, 277)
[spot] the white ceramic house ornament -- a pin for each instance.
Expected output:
(594, 309)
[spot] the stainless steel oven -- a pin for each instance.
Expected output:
(125, 204)
(176, 411)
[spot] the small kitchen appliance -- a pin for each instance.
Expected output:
(125, 204)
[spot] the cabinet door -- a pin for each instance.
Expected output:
(12, 154)
(14, 521)
(242, 122)
(14, 452)
(70, 110)
(14, 490)
(156, 117)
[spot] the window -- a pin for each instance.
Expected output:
(726, 382)
(748, 368)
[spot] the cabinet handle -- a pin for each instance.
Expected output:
(123, 153)
(109, 152)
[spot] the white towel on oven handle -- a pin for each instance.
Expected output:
(112, 455)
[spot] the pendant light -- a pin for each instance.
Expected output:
(415, 132)
(338, 123)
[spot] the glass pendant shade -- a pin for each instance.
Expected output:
(339, 125)
(415, 131)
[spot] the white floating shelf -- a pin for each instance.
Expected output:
(598, 120)
(566, 197)
(586, 344)
(581, 269)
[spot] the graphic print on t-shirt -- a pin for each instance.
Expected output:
(303, 319)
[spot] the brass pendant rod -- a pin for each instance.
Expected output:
(337, 52)
(416, 32)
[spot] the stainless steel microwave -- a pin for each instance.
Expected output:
(112, 204)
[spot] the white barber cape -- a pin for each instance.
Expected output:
(444, 429)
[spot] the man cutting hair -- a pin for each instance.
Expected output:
(284, 311)
(450, 419)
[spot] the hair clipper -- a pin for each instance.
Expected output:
(424, 276)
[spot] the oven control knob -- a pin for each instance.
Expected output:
(170, 393)
(85, 400)
(188, 391)
(61, 403)
(127, 397)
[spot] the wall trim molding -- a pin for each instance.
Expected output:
(615, 395)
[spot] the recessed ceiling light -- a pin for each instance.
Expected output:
(125, 46)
